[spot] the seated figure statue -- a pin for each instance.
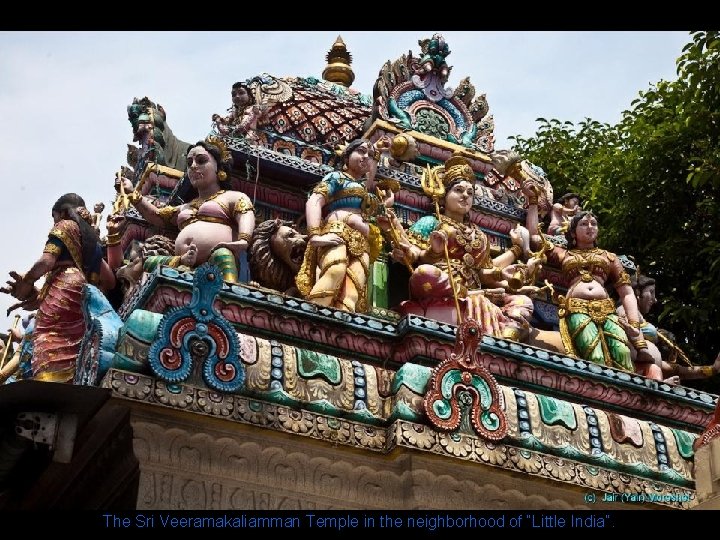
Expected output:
(452, 256)
(562, 212)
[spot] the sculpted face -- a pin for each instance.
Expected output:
(572, 203)
(359, 160)
(240, 96)
(289, 245)
(202, 168)
(459, 199)
(586, 232)
(647, 299)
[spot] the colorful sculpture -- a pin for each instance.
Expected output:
(218, 223)
(242, 117)
(589, 326)
(343, 243)
(72, 257)
(660, 343)
(562, 212)
(453, 255)
(275, 255)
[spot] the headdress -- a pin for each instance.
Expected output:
(225, 155)
(457, 167)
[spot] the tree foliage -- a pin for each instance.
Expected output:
(653, 180)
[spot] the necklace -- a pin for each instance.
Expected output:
(196, 203)
(585, 260)
(466, 235)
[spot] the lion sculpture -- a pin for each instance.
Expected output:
(275, 254)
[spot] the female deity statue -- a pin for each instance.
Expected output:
(453, 255)
(215, 226)
(72, 257)
(342, 243)
(589, 326)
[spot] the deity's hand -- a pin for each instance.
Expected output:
(402, 252)
(18, 287)
(17, 334)
(534, 263)
(644, 356)
(325, 240)
(236, 246)
(126, 184)
(675, 379)
(509, 271)
(520, 236)
(632, 333)
(115, 223)
(528, 290)
(384, 222)
(438, 240)
(381, 148)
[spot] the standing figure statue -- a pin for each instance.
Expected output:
(215, 226)
(97, 216)
(71, 258)
(453, 255)
(589, 326)
(342, 242)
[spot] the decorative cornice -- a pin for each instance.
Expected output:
(425, 341)
(398, 434)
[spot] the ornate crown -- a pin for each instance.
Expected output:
(225, 154)
(456, 167)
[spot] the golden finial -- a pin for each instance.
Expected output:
(338, 68)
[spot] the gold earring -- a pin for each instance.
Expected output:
(222, 176)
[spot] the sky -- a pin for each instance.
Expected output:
(63, 96)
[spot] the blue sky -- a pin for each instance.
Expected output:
(63, 95)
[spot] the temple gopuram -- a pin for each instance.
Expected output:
(337, 300)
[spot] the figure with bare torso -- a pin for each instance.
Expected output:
(217, 225)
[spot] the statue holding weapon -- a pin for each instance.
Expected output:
(452, 259)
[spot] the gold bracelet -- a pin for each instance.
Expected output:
(314, 231)
(639, 343)
(517, 251)
(634, 324)
(708, 371)
(533, 200)
(112, 240)
(134, 197)
(244, 236)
